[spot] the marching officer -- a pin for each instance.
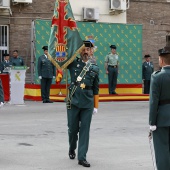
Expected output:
(159, 112)
(147, 70)
(82, 102)
(16, 59)
(111, 67)
(46, 73)
(5, 63)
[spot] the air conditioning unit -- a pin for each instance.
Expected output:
(91, 14)
(22, 1)
(5, 3)
(118, 4)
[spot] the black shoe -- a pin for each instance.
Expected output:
(44, 101)
(84, 163)
(114, 93)
(49, 101)
(72, 154)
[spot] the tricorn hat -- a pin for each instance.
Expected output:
(45, 48)
(164, 51)
(88, 44)
(147, 56)
(113, 47)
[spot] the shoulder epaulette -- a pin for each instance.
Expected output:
(95, 68)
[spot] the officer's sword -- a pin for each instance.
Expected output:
(152, 150)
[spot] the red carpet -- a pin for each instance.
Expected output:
(106, 97)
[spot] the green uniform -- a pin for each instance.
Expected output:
(159, 115)
(147, 70)
(17, 61)
(112, 62)
(82, 105)
(1, 92)
(5, 64)
(46, 70)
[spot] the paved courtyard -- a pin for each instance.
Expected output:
(34, 137)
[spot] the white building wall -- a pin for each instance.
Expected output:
(102, 5)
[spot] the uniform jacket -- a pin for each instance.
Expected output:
(5, 64)
(160, 90)
(45, 67)
(147, 70)
(17, 61)
(84, 98)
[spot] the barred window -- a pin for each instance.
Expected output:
(4, 43)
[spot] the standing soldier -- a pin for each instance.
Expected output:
(46, 73)
(82, 103)
(111, 67)
(147, 70)
(159, 112)
(16, 59)
(5, 63)
(1, 95)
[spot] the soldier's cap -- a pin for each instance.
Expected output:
(88, 44)
(164, 51)
(147, 56)
(113, 47)
(5, 54)
(45, 48)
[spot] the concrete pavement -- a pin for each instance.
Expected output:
(34, 137)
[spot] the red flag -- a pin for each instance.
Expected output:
(59, 73)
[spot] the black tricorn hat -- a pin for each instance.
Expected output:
(45, 48)
(164, 51)
(88, 44)
(5, 54)
(147, 56)
(113, 47)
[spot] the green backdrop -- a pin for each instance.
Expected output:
(127, 38)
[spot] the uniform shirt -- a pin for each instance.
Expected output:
(147, 70)
(45, 67)
(159, 115)
(83, 98)
(17, 61)
(112, 59)
(5, 64)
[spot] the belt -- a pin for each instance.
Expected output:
(115, 66)
(162, 102)
(82, 85)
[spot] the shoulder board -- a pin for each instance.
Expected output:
(155, 72)
(95, 68)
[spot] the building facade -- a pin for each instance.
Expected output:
(16, 19)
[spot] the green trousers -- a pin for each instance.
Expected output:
(1, 92)
(161, 140)
(79, 120)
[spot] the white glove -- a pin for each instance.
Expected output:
(95, 111)
(1, 104)
(53, 77)
(152, 128)
(40, 77)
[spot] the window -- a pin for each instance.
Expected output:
(4, 43)
(168, 40)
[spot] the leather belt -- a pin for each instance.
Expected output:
(115, 66)
(82, 85)
(162, 102)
